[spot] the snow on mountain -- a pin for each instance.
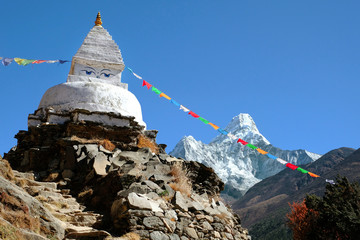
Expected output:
(239, 166)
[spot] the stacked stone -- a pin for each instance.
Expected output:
(47, 145)
(134, 189)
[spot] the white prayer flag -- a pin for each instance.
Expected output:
(184, 108)
(281, 161)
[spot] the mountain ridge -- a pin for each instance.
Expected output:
(239, 166)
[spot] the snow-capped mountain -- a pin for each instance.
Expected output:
(239, 166)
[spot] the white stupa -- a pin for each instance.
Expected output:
(93, 84)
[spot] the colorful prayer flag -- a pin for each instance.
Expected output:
(281, 161)
(271, 156)
(38, 61)
(302, 170)
(7, 61)
(214, 126)
(175, 103)
(137, 76)
(291, 166)
(165, 96)
(184, 108)
(148, 85)
(242, 141)
(222, 131)
(204, 120)
(154, 89)
(251, 146)
(193, 114)
(261, 151)
(330, 181)
(313, 174)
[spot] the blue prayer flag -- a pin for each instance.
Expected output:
(222, 131)
(271, 156)
(175, 103)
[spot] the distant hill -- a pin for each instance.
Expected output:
(264, 206)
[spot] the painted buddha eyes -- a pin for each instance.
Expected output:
(107, 74)
(89, 72)
(104, 73)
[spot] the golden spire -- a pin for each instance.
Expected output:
(98, 21)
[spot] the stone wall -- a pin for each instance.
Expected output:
(134, 189)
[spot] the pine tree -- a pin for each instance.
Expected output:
(336, 215)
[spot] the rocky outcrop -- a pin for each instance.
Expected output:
(121, 186)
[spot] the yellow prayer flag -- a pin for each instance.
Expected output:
(18, 60)
(261, 151)
(313, 175)
(165, 96)
(214, 126)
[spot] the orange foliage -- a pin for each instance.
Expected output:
(146, 142)
(301, 219)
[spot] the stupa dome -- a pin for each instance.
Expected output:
(94, 82)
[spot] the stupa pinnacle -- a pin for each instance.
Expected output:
(93, 84)
(98, 21)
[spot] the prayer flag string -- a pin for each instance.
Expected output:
(24, 62)
(224, 132)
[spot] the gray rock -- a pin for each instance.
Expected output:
(140, 201)
(206, 225)
(136, 188)
(92, 150)
(144, 234)
(196, 206)
(104, 150)
(157, 235)
(171, 214)
(101, 164)
(153, 222)
(218, 227)
(140, 213)
(153, 186)
(170, 191)
(169, 224)
(136, 157)
(180, 201)
(191, 232)
(174, 237)
(211, 211)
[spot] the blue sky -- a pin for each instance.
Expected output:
(292, 65)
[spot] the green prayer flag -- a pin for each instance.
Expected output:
(26, 62)
(204, 120)
(302, 170)
(251, 146)
(157, 91)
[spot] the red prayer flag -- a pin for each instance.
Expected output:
(291, 166)
(39, 61)
(145, 83)
(242, 141)
(193, 114)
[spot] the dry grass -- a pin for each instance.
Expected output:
(107, 144)
(16, 212)
(6, 170)
(146, 142)
(8, 232)
(181, 182)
